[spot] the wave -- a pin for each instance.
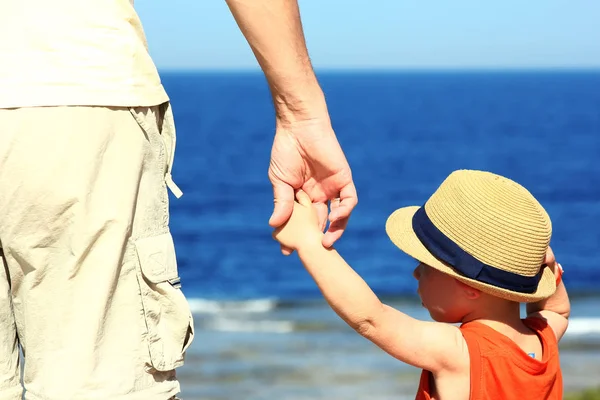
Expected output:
(577, 327)
(246, 316)
(261, 315)
(204, 306)
(262, 326)
(583, 326)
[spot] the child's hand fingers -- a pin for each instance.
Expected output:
(277, 235)
(286, 251)
(317, 210)
(303, 198)
(549, 260)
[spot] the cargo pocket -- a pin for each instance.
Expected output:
(169, 322)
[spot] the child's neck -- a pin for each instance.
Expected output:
(496, 313)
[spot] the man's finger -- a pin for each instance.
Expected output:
(335, 231)
(284, 204)
(322, 212)
(348, 200)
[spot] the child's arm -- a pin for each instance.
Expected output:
(429, 345)
(556, 308)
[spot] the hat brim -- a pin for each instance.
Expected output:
(400, 231)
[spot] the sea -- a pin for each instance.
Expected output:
(263, 330)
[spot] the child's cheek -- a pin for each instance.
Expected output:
(425, 287)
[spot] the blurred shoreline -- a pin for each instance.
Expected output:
(265, 349)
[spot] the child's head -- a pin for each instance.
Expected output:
(480, 237)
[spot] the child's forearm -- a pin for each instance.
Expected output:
(345, 291)
(557, 303)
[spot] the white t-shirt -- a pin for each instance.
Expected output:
(75, 52)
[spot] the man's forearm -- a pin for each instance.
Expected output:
(274, 31)
(345, 291)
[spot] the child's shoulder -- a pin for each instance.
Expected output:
(486, 339)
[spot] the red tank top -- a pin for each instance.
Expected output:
(501, 370)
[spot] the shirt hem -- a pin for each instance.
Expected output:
(51, 96)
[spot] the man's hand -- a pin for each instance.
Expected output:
(306, 155)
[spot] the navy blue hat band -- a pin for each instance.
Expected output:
(446, 250)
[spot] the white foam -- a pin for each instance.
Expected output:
(580, 326)
(583, 326)
(204, 306)
(265, 326)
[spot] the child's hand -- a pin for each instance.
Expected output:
(550, 260)
(302, 228)
(556, 268)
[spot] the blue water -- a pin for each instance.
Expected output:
(263, 330)
(402, 133)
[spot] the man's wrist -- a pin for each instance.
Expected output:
(298, 100)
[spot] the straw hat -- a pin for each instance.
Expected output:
(484, 230)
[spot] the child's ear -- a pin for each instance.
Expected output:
(470, 292)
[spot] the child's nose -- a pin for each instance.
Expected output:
(417, 272)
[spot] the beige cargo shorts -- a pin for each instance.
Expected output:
(89, 287)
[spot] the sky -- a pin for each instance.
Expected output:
(388, 34)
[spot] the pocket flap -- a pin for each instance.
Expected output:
(157, 257)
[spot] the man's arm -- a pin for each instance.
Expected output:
(273, 30)
(306, 153)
